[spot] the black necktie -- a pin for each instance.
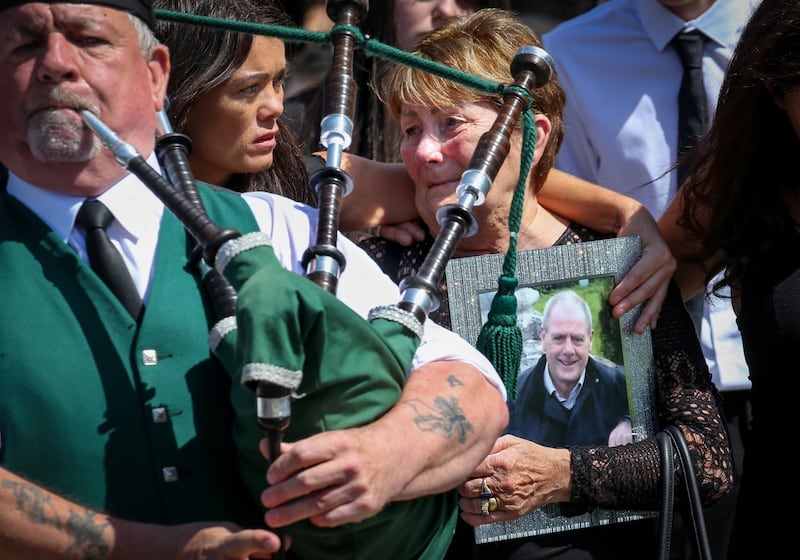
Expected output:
(692, 109)
(104, 258)
(692, 123)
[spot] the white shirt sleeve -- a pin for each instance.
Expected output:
(362, 285)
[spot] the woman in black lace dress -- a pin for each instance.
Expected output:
(740, 211)
(442, 122)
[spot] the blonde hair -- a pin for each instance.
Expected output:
(483, 44)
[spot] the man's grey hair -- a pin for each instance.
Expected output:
(569, 296)
(147, 39)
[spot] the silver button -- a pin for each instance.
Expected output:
(160, 415)
(149, 357)
(170, 474)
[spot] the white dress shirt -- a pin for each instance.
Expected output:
(622, 79)
(362, 285)
(134, 231)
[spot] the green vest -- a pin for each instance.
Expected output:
(144, 434)
(121, 418)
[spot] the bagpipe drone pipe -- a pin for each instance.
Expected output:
(314, 364)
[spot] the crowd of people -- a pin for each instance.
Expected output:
(150, 430)
(159, 451)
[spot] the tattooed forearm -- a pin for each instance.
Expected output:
(82, 526)
(32, 501)
(88, 534)
(444, 417)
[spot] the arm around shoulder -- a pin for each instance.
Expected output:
(382, 194)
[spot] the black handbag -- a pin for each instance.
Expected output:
(671, 444)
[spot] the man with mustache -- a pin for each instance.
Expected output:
(116, 427)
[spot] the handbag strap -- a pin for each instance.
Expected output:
(667, 487)
(672, 443)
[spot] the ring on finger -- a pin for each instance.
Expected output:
(486, 498)
(492, 504)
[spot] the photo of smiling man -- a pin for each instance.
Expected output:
(570, 397)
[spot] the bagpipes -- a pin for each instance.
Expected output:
(287, 337)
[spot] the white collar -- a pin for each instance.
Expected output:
(719, 22)
(551, 388)
(134, 206)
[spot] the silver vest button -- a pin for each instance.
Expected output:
(160, 415)
(149, 357)
(170, 474)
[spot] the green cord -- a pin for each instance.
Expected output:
(500, 338)
(369, 45)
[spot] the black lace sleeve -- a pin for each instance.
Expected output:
(627, 477)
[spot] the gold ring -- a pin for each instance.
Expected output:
(488, 502)
(485, 492)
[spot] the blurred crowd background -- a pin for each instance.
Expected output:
(541, 15)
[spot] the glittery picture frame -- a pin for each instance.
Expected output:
(597, 266)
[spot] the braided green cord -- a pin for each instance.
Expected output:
(500, 339)
(382, 50)
(368, 44)
(286, 33)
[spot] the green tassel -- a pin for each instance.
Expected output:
(500, 339)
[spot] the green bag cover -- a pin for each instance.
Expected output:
(345, 371)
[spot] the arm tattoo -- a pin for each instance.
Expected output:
(454, 381)
(87, 533)
(444, 417)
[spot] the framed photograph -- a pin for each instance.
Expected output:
(571, 284)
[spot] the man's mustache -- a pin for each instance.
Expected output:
(59, 99)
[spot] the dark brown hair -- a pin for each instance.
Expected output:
(733, 198)
(203, 58)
